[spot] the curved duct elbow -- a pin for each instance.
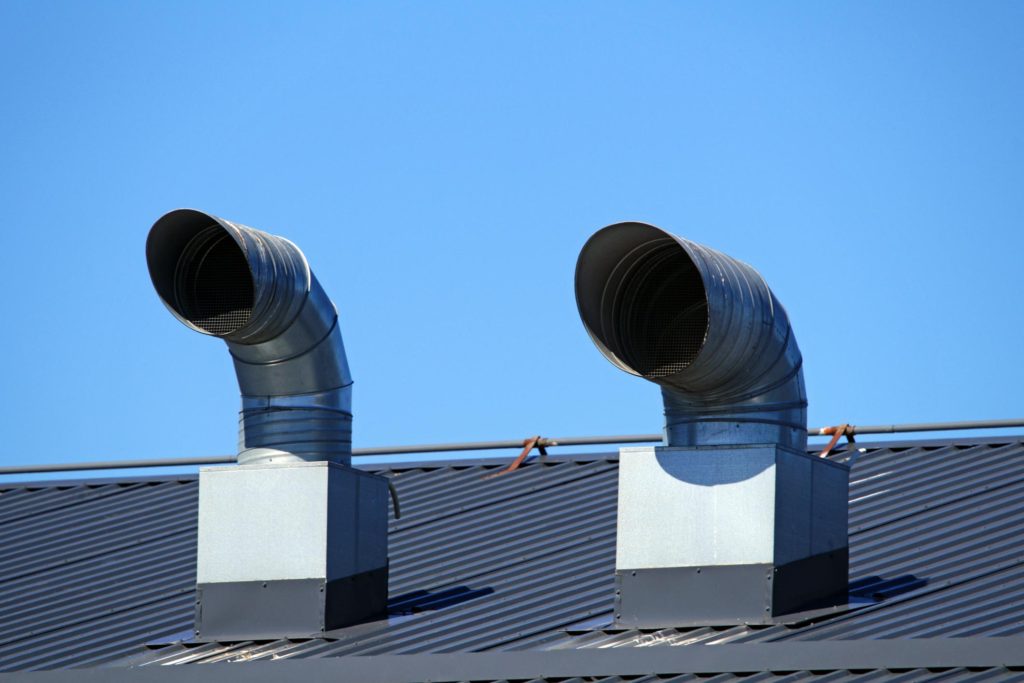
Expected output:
(257, 293)
(703, 326)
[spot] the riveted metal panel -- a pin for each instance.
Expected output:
(248, 610)
(694, 596)
(299, 608)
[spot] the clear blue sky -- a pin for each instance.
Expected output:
(441, 164)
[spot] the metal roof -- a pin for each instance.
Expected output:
(104, 572)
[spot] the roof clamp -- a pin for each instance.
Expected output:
(846, 430)
(538, 442)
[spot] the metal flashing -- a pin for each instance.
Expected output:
(693, 596)
(254, 610)
(727, 595)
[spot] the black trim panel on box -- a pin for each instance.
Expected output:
(258, 610)
(693, 596)
(357, 598)
(818, 581)
(726, 595)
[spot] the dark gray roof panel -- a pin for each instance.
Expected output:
(92, 573)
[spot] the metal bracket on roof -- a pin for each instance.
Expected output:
(537, 442)
(846, 430)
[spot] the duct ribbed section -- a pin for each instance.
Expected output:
(703, 326)
(257, 293)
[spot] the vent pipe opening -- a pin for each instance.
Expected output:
(201, 273)
(703, 326)
(257, 293)
(652, 310)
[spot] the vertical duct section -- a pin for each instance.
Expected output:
(292, 541)
(732, 521)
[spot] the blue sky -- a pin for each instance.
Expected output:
(441, 164)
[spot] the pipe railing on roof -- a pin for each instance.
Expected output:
(921, 427)
(851, 430)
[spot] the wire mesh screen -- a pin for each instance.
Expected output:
(661, 312)
(213, 283)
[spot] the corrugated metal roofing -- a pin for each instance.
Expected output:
(92, 573)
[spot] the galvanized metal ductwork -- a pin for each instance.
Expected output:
(703, 326)
(731, 521)
(292, 541)
(257, 293)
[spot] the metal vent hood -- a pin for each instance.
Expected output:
(731, 521)
(292, 540)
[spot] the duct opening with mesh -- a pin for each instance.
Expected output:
(654, 309)
(213, 287)
(201, 272)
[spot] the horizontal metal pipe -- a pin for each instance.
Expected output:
(119, 464)
(509, 443)
(499, 445)
(923, 427)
